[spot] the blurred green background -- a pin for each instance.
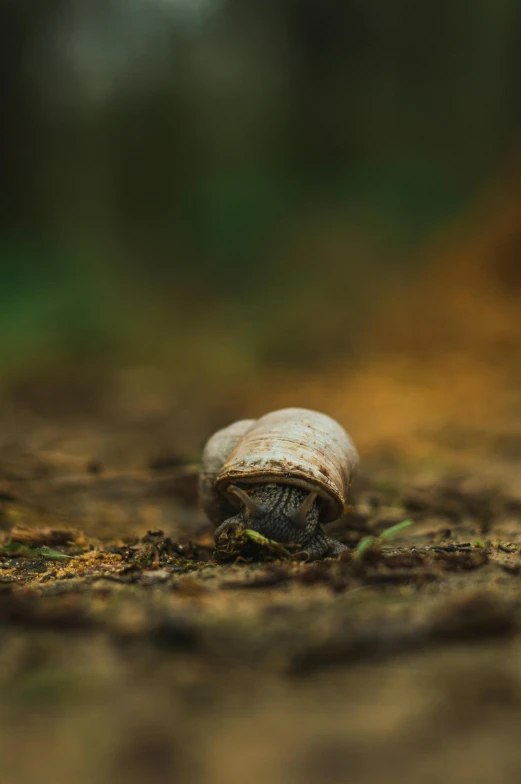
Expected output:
(220, 185)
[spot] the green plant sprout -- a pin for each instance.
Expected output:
(367, 541)
(16, 549)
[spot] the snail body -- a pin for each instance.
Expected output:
(282, 475)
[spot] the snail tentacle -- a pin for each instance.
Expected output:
(255, 509)
(299, 516)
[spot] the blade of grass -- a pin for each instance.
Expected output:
(367, 541)
(51, 555)
(363, 544)
(263, 541)
(16, 549)
(395, 529)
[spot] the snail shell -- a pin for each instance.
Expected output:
(292, 446)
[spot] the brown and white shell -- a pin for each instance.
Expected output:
(292, 446)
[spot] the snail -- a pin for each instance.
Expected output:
(282, 475)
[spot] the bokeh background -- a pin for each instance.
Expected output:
(209, 209)
(213, 206)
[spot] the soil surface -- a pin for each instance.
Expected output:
(129, 654)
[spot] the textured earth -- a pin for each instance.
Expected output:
(129, 654)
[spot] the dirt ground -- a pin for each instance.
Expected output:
(128, 654)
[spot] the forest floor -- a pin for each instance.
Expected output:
(129, 654)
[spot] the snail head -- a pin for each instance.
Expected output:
(277, 509)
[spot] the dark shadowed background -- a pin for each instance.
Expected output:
(216, 187)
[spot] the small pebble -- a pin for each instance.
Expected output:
(155, 576)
